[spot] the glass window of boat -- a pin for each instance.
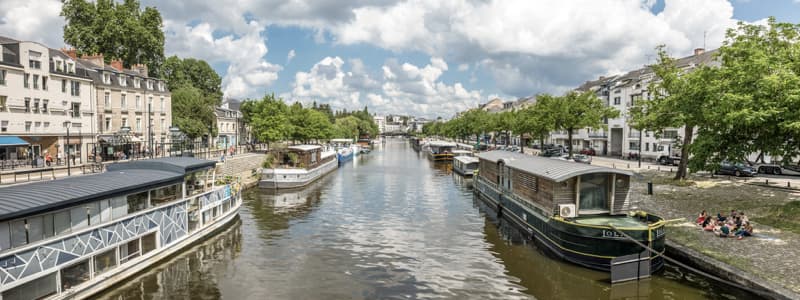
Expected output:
(105, 261)
(36, 289)
(165, 194)
(78, 218)
(119, 207)
(594, 192)
(61, 222)
(5, 236)
(128, 251)
(137, 202)
(35, 229)
(93, 209)
(149, 243)
(75, 274)
(18, 233)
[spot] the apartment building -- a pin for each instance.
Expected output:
(45, 95)
(622, 92)
(229, 123)
(132, 108)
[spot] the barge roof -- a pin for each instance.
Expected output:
(119, 179)
(304, 147)
(466, 159)
(441, 144)
(552, 169)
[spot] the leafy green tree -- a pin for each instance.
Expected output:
(678, 99)
(117, 30)
(269, 119)
(194, 72)
(501, 124)
(191, 114)
(536, 120)
(575, 111)
(346, 127)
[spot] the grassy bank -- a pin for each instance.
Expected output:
(783, 217)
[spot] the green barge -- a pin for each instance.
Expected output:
(576, 211)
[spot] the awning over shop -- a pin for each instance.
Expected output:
(12, 141)
(118, 139)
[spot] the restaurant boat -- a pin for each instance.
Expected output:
(345, 149)
(573, 209)
(465, 165)
(297, 166)
(460, 152)
(74, 237)
(441, 151)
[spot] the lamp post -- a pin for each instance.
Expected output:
(68, 124)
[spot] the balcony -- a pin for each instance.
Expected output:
(597, 135)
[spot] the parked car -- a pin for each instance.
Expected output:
(736, 169)
(582, 158)
(588, 151)
(551, 153)
(668, 160)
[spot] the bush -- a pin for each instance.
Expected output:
(269, 161)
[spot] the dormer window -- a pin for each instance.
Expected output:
(123, 81)
(106, 78)
(70, 67)
(149, 84)
(136, 83)
(34, 60)
(59, 65)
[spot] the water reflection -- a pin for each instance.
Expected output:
(390, 225)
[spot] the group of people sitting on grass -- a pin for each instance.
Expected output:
(734, 225)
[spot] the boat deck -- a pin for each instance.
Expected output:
(618, 221)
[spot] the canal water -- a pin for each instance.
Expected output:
(390, 224)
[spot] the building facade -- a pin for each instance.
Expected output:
(134, 111)
(228, 127)
(46, 104)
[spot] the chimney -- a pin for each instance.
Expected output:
(140, 68)
(698, 51)
(96, 59)
(71, 52)
(116, 64)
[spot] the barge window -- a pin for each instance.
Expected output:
(148, 243)
(61, 222)
(5, 236)
(79, 218)
(35, 229)
(105, 261)
(594, 191)
(74, 275)
(93, 210)
(129, 251)
(36, 289)
(119, 207)
(137, 202)
(18, 233)
(49, 227)
(165, 194)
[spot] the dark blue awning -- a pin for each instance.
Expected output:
(12, 141)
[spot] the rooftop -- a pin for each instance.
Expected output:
(305, 147)
(552, 169)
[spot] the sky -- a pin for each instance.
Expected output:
(420, 57)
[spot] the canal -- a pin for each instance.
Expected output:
(390, 224)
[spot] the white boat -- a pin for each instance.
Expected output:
(459, 152)
(441, 151)
(72, 238)
(297, 166)
(465, 165)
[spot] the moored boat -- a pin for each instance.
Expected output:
(460, 152)
(441, 151)
(74, 237)
(345, 149)
(416, 143)
(297, 166)
(465, 165)
(576, 211)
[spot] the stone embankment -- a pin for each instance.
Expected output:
(243, 165)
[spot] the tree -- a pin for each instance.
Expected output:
(190, 113)
(194, 72)
(536, 120)
(501, 123)
(269, 119)
(677, 99)
(576, 110)
(346, 127)
(117, 30)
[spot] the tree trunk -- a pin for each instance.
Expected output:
(687, 140)
(541, 142)
(521, 145)
(569, 140)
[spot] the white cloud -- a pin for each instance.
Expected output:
(33, 20)
(463, 67)
(290, 56)
(400, 87)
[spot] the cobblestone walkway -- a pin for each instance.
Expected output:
(771, 254)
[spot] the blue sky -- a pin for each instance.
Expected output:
(427, 58)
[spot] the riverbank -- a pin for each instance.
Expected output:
(766, 261)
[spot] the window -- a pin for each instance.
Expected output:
(25, 80)
(646, 146)
(44, 105)
(94, 210)
(150, 102)
(162, 104)
(108, 124)
(63, 85)
(163, 125)
(149, 84)
(633, 146)
(128, 251)
(124, 122)
(71, 67)
(5, 236)
(616, 100)
(119, 207)
(44, 83)
(2, 77)
(165, 194)
(107, 100)
(106, 78)
(138, 102)
(27, 104)
(61, 222)
(593, 191)
(79, 218)
(27, 126)
(35, 81)
(36, 289)
(138, 124)
(4, 126)
(136, 83)
(137, 202)
(76, 88)
(76, 110)
(123, 81)
(3, 103)
(18, 233)
(35, 229)
(105, 261)
(123, 101)
(46, 124)
(59, 66)
(149, 243)
(34, 64)
(74, 275)
(36, 105)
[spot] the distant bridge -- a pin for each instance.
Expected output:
(395, 133)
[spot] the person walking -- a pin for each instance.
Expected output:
(48, 159)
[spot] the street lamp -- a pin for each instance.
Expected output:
(68, 124)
